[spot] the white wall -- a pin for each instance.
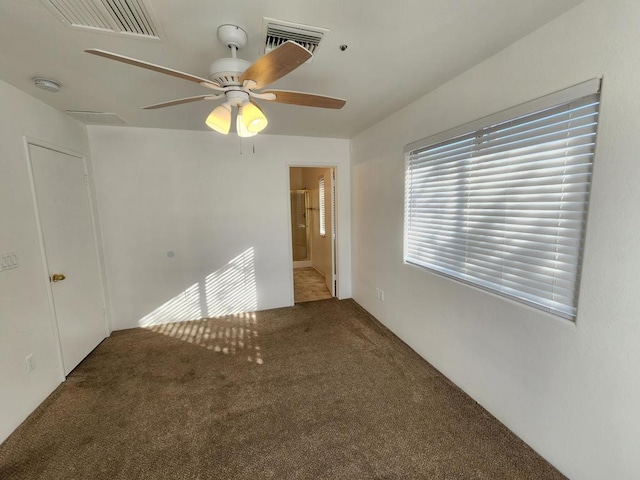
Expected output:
(196, 195)
(25, 324)
(570, 391)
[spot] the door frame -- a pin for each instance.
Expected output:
(97, 245)
(335, 258)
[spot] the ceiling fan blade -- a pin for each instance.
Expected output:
(306, 99)
(276, 64)
(181, 101)
(155, 68)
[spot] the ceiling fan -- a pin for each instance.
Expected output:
(240, 83)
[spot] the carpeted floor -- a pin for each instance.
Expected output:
(316, 391)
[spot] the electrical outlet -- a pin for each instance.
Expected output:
(380, 294)
(31, 362)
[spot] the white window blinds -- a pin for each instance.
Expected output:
(323, 226)
(504, 207)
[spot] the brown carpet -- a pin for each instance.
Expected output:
(316, 391)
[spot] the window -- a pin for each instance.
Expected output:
(323, 226)
(503, 206)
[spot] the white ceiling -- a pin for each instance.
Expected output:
(397, 52)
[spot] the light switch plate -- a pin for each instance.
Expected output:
(9, 260)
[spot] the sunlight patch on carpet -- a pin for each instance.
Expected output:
(235, 334)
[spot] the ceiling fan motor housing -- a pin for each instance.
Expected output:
(226, 71)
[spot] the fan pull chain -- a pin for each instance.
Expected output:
(253, 146)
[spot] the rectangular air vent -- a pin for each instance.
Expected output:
(96, 118)
(276, 32)
(129, 17)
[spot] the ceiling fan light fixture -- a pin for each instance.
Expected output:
(253, 118)
(241, 129)
(220, 119)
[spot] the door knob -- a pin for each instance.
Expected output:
(57, 277)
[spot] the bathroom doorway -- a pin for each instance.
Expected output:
(313, 232)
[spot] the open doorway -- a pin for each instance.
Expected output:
(313, 232)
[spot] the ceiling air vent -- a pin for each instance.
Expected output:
(128, 17)
(96, 118)
(276, 32)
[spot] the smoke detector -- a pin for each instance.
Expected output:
(46, 84)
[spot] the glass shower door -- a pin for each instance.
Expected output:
(299, 224)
